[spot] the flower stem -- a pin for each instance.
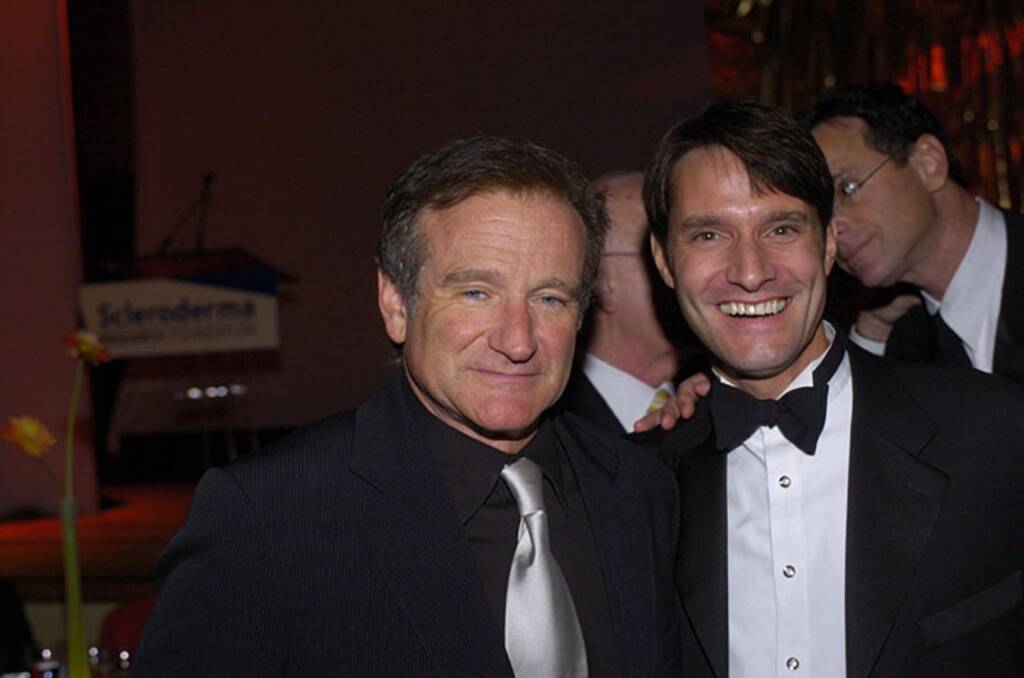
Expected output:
(69, 432)
(49, 472)
(78, 662)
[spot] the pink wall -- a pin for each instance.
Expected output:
(306, 111)
(39, 246)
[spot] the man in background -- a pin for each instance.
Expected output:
(903, 215)
(629, 364)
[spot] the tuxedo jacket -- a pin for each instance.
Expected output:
(338, 551)
(913, 335)
(934, 533)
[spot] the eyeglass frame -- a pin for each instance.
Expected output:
(847, 190)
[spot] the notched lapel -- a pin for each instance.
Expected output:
(417, 540)
(894, 501)
(702, 564)
(625, 556)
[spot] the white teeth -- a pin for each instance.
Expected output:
(760, 309)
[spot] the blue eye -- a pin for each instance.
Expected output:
(474, 295)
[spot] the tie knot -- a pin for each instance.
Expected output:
(767, 412)
(659, 399)
(525, 479)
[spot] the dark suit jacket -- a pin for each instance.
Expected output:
(934, 535)
(339, 552)
(913, 335)
(583, 399)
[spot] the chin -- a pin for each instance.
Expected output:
(509, 424)
(747, 366)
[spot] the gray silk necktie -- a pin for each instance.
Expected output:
(542, 634)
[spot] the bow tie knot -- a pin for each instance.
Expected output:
(799, 414)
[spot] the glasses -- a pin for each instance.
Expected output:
(846, 190)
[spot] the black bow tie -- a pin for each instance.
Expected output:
(800, 414)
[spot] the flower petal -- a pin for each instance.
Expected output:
(29, 434)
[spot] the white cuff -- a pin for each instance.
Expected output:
(869, 345)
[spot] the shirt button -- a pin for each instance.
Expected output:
(789, 571)
(785, 481)
(792, 663)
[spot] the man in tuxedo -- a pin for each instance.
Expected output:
(841, 515)
(449, 526)
(629, 363)
(903, 215)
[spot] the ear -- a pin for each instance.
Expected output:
(928, 158)
(392, 307)
(830, 247)
(605, 288)
(661, 262)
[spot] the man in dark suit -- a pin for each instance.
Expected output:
(448, 527)
(628, 361)
(841, 515)
(903, 215)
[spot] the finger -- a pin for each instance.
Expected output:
(895, 309)
(647, 422)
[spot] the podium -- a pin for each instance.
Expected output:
(199, 334)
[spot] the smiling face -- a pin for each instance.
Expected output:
(881, 232)
(490, 345)
(749, 271)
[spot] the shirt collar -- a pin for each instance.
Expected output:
(978, 277)
(471, 469)
(627, 397)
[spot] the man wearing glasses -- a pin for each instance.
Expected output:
(903, 215)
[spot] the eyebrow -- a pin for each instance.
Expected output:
(477, 275)
(470, 275)
(801, 217)
(705, 221)
(702, 221)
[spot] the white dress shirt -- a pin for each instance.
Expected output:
(627, 396)
(786, 514)
(973, 298)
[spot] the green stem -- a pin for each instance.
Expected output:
(69, 432)
(77, 660)
(49, 472)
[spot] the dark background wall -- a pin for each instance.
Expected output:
(306, 111)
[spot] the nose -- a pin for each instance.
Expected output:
(844, 231)
(750, 266)
(515, 336)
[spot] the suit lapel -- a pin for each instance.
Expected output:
(1009, 348)
(624, 551)
(418, 542)
(702, 566)
(894, 500)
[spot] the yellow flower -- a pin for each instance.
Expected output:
(86, 346)
(28, 433)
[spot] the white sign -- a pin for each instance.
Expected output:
(166, 316)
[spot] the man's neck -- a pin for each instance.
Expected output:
(652, 363)
(772, 387)
(940, 257)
